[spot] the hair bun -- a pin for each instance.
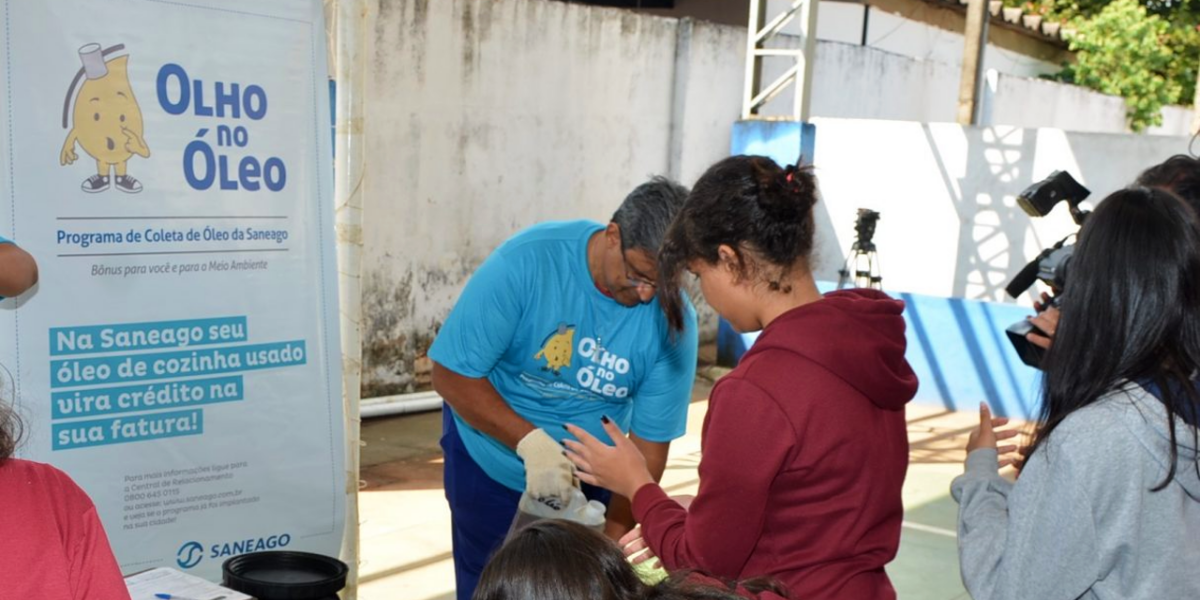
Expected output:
(796, 192)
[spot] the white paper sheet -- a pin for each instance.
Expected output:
(180, 585)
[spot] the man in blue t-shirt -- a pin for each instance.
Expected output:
(559, 325)
(18, 270)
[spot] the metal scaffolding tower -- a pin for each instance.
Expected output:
(759, 46)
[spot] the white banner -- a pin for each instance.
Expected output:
(168, 164)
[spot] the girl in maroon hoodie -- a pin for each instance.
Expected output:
(804, 445)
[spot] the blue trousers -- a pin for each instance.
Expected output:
(481, 509)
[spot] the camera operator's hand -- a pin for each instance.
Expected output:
(1046, 322)
(1044, 302)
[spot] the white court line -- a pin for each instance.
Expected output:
(929, 529)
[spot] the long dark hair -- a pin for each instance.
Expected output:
(554, 559)
(11, 430)
(1130, 311)
(750, 204)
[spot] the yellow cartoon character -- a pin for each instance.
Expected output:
(557, 349)
(107, 120)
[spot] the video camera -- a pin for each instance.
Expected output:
(1051, 265)
(864, 227)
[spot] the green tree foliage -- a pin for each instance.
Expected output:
(1182, 11)
(1184, 43)
(1127, 49)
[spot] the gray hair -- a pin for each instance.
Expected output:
(647, 212)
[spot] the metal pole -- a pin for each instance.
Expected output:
(758, 16)
(808, 24)
(972, 68)
(350, 31)
(866, 23)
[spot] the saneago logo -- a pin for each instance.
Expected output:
(237, 547)
(189, 555)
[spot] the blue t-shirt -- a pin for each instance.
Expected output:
(557, 350)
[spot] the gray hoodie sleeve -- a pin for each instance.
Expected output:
(1035, 539)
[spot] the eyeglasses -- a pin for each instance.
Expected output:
(636, 280)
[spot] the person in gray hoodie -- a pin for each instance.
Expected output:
(1108, 501)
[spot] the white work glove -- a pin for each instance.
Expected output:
(549, 476)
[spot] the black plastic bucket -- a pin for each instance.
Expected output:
(285, 575)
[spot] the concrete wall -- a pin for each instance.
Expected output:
(913, 28)
(854, 82)
(1028, 102)
(1177, 120)
(709, 96)
(1024, 102)
(925, 32)
(485, 116)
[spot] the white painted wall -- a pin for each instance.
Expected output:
(485, 116)
(950, 225)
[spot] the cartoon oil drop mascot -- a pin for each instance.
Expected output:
(107, 119)
(557, 349)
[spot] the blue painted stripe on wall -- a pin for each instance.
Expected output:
(957, 349)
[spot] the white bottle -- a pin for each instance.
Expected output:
(578, 509)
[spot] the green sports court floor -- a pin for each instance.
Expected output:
(405, 532)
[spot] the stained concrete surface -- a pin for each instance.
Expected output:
(405, 531)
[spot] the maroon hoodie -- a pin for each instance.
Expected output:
(804, 453)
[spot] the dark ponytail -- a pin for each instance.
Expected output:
(750, 204)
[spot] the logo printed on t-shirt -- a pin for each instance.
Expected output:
(601, 372)
(557, 349)
(600, 376)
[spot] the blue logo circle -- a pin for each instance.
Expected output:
(189, 555)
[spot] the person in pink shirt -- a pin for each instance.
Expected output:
(52, 545)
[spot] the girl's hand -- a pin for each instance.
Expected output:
(1018, 461)
(635, 547)
(986, 436)
(620, 467)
